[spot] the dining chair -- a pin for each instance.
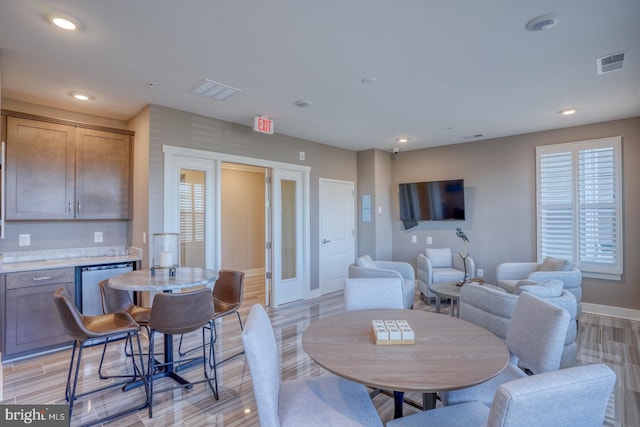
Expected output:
(227, 293)
(535, 340)
(576, 396)
(374, 293)
(83, 328)
(327, 400)
(175, 314)
(119, 301)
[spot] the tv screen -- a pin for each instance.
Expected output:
(432, 201)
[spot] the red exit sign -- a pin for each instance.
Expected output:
(263, 125)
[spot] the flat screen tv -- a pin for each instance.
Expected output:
(432, 201)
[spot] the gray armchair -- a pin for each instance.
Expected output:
(491, 307)
(441, 265)
(508, 274)
(365, 267)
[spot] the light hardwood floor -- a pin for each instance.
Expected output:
(41, 379)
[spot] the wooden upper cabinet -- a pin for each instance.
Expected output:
(40, 173)
(58, 171)
(102, 174)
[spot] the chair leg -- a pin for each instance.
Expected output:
(70, 392)
(151, 370)
(184, 353)
(71, 388)
(215, 338)
(204, 364)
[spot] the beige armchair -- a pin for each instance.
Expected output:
(438, 265)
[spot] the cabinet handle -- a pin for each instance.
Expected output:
(70, 208)
(35, 279)
(79, 206)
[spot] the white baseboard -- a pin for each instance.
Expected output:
(608, 310)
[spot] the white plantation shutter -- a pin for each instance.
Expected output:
(579, 207)
(191, 212)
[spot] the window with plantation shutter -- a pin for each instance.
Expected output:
(579, 205)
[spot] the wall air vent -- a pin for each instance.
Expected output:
(609, 63)
(210, 89)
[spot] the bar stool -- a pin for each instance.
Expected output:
(179, 313)
(227, 299)
(119, 301)
(82, 328)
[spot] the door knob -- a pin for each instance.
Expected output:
(325, 241)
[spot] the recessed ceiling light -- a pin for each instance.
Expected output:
(303, 103)
(543, 22)
(402, 140)
(568, 111)
(82, 96)
(64, 21)
(369, 80)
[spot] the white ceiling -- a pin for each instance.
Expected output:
(445, 70)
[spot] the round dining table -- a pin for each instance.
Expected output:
(447, 354)
(160, 280)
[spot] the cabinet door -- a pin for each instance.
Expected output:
(40, 170)
(102, 174)
(32, 320)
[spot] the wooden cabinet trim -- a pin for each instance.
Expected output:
(66, 122)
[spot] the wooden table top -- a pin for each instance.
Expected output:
(142, 280)
(448, 354)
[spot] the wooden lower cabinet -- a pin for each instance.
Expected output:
(31, 320)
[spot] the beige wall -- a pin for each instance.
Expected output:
(500, 220)
(374, 175)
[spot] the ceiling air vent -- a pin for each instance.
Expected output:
(210, 89)
(606, 64)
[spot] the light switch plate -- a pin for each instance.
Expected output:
(97, 237)
(24, 239)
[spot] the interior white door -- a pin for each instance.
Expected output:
(337, 233)
(191, 209)
(288, 242)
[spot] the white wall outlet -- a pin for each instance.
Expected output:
(24, 239)
(301, 155)
(97, 237)
(429, 240)
(144, 237)
(414, 239)
(480, 272)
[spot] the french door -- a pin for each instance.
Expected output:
(189, 173)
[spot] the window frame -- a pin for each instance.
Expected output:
(574, 208)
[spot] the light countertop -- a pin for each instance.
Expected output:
(41, 260)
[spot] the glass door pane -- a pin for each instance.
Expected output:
(289, 228)
(192, 217)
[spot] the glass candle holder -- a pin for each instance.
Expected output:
(166, 250)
